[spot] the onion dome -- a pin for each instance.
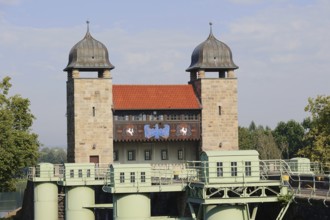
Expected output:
(89, 55)
(211, 55)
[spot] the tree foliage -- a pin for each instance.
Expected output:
(289, 137)
(310, 139)
(245, 139)
(260, 139)
(18, 145)
(55, 155)
(317, 138)
(266, 145)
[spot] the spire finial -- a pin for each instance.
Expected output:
(210, 23)
(87, 22)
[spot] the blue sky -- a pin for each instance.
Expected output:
(282, 49)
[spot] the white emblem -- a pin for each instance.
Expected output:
(130, 131)
(183, 131)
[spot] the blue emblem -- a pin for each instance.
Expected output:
(156, 131)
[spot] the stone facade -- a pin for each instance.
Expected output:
(89, 119)
(93, 116)
(219, 114)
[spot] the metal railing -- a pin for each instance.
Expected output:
(229, 172)
(156, 174)
(59, 172)
(56, 170)
(306, 180)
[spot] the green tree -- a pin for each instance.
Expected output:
(252, 126)
(55, 155)
(245, 139)
(18, 145)
(289, 137)
(317, 138)
(260, 139)
(265, 144)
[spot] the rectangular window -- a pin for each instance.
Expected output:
(192, 117)
(147, 155)
(180, 154)
(80, 173)
(88, 173)
(121, 118)
(93, 111)
(137, 117)
(122, 177)
(152, 118)
(164, 155)
(248, 168)
(132, 177)
(220, 111)
(233, 168)
(115, 156)
(71, 173)
(219, 169)
(131, 155)
(143, 177)
(174, 117)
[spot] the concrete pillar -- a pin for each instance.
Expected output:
(131, 206)
(45, 201)
(225, 212)
(78, 199)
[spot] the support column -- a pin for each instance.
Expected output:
(77, 200)
(131, 206)
(225, 212)
(45, 201)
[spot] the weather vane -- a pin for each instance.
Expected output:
(87, 22)
(210, 23)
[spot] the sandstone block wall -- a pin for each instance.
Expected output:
(90, 121)
(219, 114)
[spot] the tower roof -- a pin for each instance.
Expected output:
(89, 55)
(211, 55)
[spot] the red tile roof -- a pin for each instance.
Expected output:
(130, 97)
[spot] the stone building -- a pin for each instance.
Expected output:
(150, 123)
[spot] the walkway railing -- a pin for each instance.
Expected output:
(306, 180)
(65, 172)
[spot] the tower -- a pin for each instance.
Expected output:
(217, 93)
(89, 102)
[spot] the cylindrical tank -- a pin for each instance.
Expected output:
(131, 206)
(78, 199)
(225, 212)
(45, 201)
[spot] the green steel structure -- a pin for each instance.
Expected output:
(222, 185)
